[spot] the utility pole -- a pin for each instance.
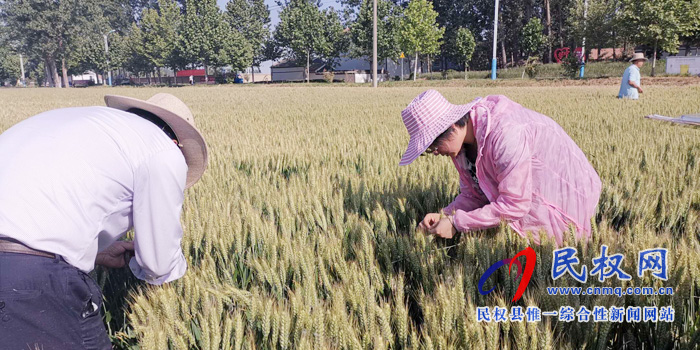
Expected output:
(109, 71)
(374, 44)
(21, 65)
(583, 48)
(549, 32)
(495, 39)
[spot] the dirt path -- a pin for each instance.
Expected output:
(646, 81)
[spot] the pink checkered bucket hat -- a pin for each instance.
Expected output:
(425, 118)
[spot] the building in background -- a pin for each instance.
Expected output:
(183, 76)
(86, 79)
(350, 70)
(683, 65)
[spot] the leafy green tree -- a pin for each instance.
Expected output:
(251, 18)
(232, 50)
(533, 38)
(9, 65)
(337, 39)
(135, 8)
(119, 14)
(272, 50)
(207, 39)
(387, 30)
(43, 27)
(418, 31)
(89, 53)
(156, 36)
(600, 27)
(305, 32)
(463, 46)
(137, 64)
(56, 30)
(87, 50)
(571, 65)
(692, 36)
(660, 23)
(300, 31)
(9, 59)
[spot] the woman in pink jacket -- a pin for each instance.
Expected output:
(514, 164)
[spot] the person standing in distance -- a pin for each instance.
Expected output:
(73, 181)
(630, 87)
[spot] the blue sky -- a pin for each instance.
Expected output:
(275, 10)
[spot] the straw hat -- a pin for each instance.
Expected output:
(638, 56)
(176, 114)
(425, 118)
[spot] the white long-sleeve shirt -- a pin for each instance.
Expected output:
(74, 180)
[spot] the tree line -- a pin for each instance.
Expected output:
(62, 37)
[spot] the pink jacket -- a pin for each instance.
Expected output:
(532, 173)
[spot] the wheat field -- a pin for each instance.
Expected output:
(301, 234)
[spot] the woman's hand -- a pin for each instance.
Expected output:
(443, 228)
(429, 220)
(115, 256)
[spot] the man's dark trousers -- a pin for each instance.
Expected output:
(47, 304)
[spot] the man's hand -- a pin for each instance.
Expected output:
(443, 228)
(429, 220)
(115, 256)
(634, 85)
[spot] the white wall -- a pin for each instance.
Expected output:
(293, 74)
(390, 67)
(90, 75)
(394, 68)
(674, 63)
(366, 78)
(288, 74)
